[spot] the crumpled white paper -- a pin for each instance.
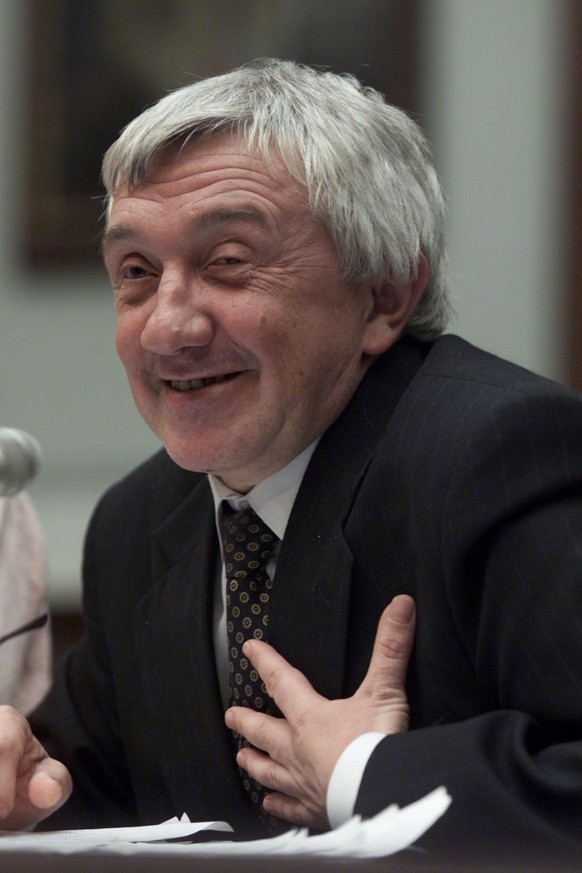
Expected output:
(391, 831)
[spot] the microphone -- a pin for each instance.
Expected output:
(20, 457)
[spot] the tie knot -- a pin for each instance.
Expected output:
(247, 541)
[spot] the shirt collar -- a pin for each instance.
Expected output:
(273, 498)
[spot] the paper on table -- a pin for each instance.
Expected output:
(75, 840)
(392, 830)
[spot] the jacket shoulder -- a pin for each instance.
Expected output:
(154, 488)
(454, 358)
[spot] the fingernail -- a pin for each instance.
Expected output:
(53, 791)
(402, 609)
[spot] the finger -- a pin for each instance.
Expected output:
(262, 731)
(38, 795)
(392, 648)
(32, 785)
(291, 809)
(15, 739)
(287, 686)
(50, 786)
(267, 772)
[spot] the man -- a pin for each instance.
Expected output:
(275, 245)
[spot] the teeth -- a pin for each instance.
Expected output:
(192, 384)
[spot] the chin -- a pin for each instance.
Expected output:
(194, 461)
(182, 459)
(182, 455)
(203, 452)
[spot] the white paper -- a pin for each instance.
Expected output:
(73, 840)
(392, 830)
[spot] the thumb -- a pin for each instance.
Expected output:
(49, 787)
(386, 674)
(37, 795)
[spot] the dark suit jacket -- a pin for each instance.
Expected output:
(453, 476)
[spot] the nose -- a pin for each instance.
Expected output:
(180, 317)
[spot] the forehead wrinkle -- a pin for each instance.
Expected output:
(214, 218)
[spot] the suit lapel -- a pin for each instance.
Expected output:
(309, 615)
(173, 633)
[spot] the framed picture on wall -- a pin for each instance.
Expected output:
(96, 64)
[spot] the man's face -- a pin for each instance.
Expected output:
(241, 341)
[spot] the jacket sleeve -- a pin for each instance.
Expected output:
(78, 721)
(510, 552)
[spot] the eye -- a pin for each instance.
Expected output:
(134, 271)
(134, 280)
(227, 260)
(228, 264)
(231, 256)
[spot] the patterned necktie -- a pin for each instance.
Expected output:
(248, 543)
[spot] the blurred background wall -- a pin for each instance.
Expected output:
(487, 85)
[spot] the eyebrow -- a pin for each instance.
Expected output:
(248, 214)
(114, 233)
(234, 213)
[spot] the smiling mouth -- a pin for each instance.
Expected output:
(194, 384)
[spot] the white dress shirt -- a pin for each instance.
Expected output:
(272, 500)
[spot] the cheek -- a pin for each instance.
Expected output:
(122, 347)
(283, 344)
(128, 341)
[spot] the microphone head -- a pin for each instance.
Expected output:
(20, 457)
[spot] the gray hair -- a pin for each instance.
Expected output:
(366, 165)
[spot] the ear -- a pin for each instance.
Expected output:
(391, 309)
